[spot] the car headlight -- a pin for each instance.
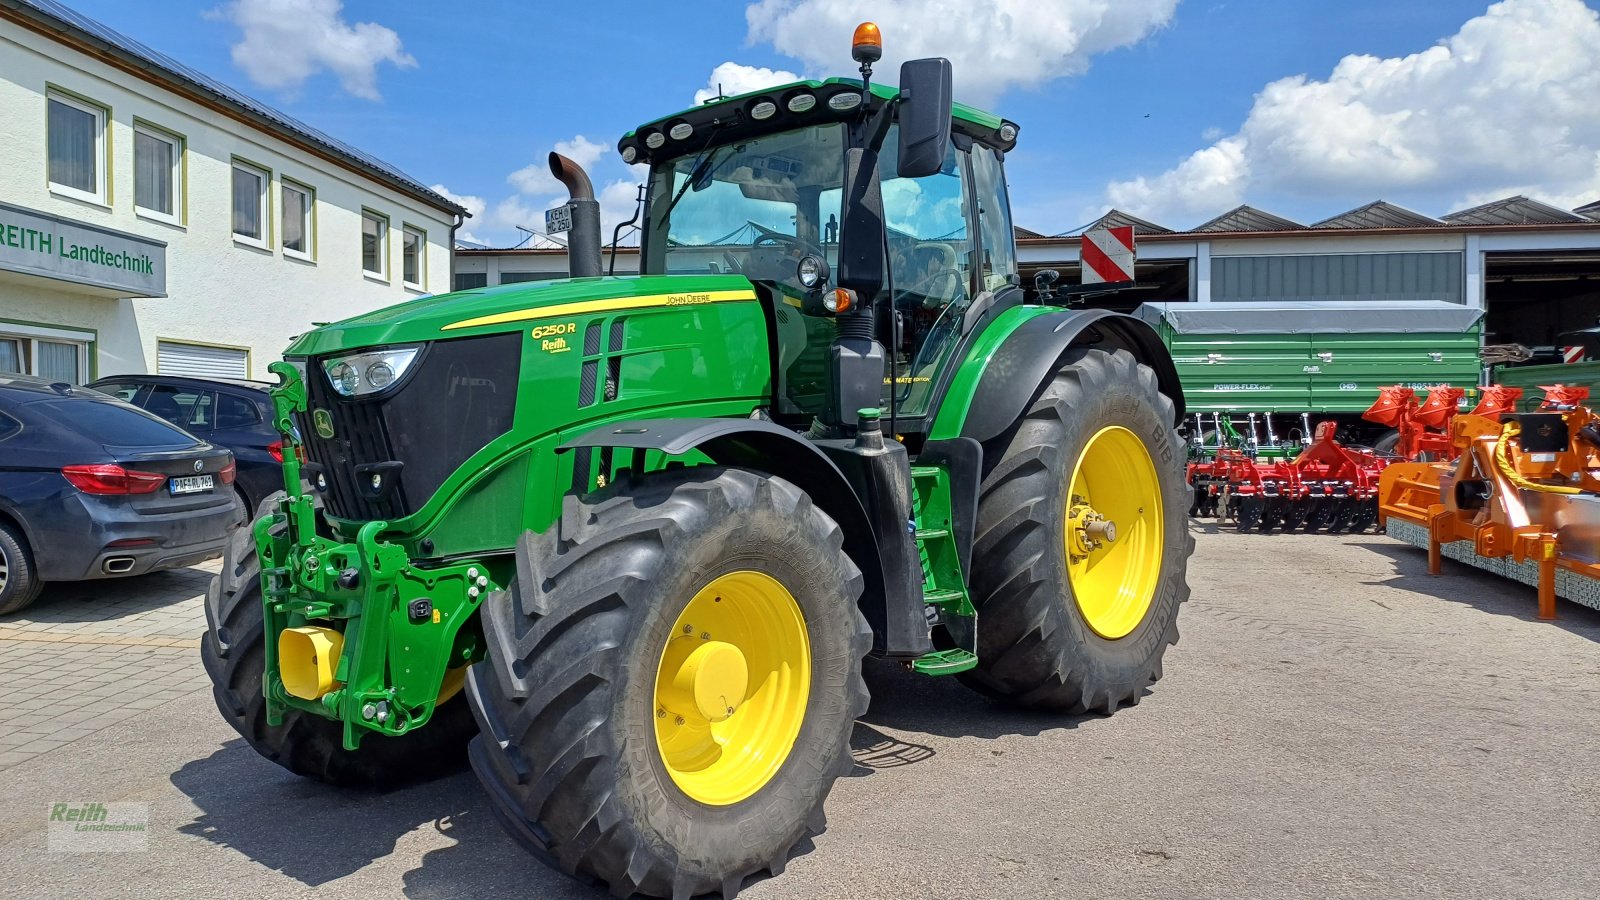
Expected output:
(368, 373)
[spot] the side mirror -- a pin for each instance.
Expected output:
(924, 111)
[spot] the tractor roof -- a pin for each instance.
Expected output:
(734, 113)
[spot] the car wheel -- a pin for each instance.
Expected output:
(19, 581)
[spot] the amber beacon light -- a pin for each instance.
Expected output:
(867, 44)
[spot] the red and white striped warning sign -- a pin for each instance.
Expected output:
(1571, 354)
(1107, 255)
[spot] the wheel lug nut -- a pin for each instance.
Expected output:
(678, 720)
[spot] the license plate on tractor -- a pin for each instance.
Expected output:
(190, 484)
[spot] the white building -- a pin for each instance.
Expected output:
(155, 220)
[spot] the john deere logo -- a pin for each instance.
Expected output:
(323, 422)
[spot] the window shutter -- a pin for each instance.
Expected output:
(201, 362)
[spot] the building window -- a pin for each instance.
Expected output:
(299, 202)
(250, 203)
(466, 281)
(77, 148)
(51, 353)
(374, 245)
(413, 245)
(157, 173)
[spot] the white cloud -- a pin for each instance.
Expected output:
(536, 190)
(992, 46)
(731, 79)
(1506, 105)
(286, 42)
(535, 179)
(472, 204)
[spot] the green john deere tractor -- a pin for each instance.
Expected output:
(625, 542)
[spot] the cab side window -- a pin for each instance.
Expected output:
(999, 261)
(931, 271)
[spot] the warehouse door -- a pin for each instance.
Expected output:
(195, 360)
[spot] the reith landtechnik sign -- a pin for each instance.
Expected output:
(38, 243)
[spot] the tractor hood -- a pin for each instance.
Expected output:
(512, 307)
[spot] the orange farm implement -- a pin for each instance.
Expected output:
(1516, 494)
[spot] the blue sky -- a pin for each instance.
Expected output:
(1174, 109)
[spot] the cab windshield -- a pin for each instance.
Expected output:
(751, 208)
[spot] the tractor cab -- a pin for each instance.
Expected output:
(874, 213)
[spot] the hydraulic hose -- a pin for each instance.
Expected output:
(1502, 459)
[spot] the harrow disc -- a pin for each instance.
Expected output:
(1249, 511)
(1343, 516)
(1365, 515)
(1322, 514)
(1272, 513)
(1295, 513)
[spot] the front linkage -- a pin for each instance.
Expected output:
(355, 631)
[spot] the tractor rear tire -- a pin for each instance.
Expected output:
(1038, 646)
(576, 736)
(234, 653)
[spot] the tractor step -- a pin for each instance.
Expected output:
(944, 662)
(942, 598)
(931, 534)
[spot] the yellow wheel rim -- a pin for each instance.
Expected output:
(1114, 533)
(732, 687)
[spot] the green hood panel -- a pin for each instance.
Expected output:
(511, 307)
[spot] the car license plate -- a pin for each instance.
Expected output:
(190, 484)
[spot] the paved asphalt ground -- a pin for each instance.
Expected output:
(1335, 723)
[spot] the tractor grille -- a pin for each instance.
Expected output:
(459, 396)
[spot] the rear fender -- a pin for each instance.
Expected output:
(1014, 372)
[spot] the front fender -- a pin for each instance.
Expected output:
(762, 446)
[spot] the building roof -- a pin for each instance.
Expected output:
(1116, 218)
(57, 21)
(1248, 218)
(1518, 210)
(1589, 210)
(1378, 214)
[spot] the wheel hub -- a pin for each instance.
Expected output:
(1090, 530)
(709, 682)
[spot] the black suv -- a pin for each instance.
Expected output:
(228, 412)
(91, 487)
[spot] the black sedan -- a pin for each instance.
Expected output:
(230, 413)
(91, 487)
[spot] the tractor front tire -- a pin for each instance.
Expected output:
(1069, 620)
(234, 654)
(598, 750)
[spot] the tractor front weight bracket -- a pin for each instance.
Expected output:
(399, 627)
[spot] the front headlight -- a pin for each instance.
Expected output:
(368, 373)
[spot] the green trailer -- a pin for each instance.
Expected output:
(1284, 367)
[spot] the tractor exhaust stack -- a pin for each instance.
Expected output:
(583, 241)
